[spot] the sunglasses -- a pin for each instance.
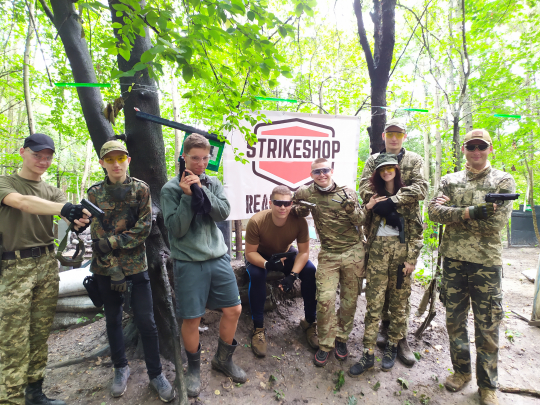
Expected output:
(119, 159)
(397, 135)
(388, 169)
(318, 172)
(472, 148)
(282, 203)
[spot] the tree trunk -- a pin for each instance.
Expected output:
(26, 79)
(456, 143)
(87, 164)
(176, 113)
(530, 182)
(378, 116)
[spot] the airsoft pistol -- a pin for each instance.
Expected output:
(500, 199)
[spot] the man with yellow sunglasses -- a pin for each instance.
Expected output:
(407, 203)
(118, 255)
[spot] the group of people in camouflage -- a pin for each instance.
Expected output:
(378, 240)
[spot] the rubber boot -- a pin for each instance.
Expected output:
(223, 362)
(34, 395)
(382, 336)
(193, 374)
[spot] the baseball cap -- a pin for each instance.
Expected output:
(480, 134)
(395, 122)
(111, 146)
(38, 142)
(385, 159)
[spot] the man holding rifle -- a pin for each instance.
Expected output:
(472, 264)
(269, 235)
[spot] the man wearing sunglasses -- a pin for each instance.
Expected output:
(119, 255)
(29, 271)
(273, 231)
(406, 203)
(472, 265)
(338, 218)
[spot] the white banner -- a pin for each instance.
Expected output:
(283, 156)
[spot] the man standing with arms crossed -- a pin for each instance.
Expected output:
(407, 203)
(29, 271)
(472, 266)
(337, 216)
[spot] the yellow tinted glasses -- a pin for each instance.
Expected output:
(119, 159)
(397, 135)
(388, 169)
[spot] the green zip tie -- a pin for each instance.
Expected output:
(287, 100)
(507, 116)
(82, 84)
(414, 109)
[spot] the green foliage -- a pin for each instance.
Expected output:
(403, 382)
(511, 335)
(340, 380)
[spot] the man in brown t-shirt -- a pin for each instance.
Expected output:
(273, 231)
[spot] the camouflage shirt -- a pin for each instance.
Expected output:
(337, 230)
(407, 200)
(472, 240)
(126, 224)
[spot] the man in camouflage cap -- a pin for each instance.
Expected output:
(472, 265)
(407, 203)
(337, 216)
(118, 255)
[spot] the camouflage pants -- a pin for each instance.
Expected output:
(333, 269)
(385, 255)
(465, 282)
(386, 315)
(28, 295)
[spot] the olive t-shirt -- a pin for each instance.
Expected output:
(271, 239)
(21, 230)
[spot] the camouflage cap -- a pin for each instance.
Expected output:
(111, 146)
(395, 122)
(480, 134)
(386, 159)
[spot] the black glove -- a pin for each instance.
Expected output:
(384, 208)
(101, 246)
(199, 200)
(393, 220)
(481, 211)
(83, 228)
(287, 282)
(118, 282)
(276, 265)
(72, 212)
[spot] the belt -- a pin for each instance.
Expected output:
(26, 253)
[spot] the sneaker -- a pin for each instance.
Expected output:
(488, 397)
(321, 358)
(120, 379)
(258, 342)
(457, 381)
(163, 388)
(366, 363)
(389, 356)
(341, 352)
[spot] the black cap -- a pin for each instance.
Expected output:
(38, 142)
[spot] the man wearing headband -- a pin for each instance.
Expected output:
(407, 203)
(29, 271)
(119, 255)
(337, 218)
(273, 231)
(472, 265)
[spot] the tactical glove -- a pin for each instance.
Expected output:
(72, 212)
(348, 205)
(118, 281)
(101, 246)
(384, 208)
(276, 265)
(481, 211)
(83, 228)
(287, 282)
(300, 210)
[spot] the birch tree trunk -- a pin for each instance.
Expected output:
(26, 79)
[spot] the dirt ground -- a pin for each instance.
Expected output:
(288, 376)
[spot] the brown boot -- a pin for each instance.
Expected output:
(405, 353)
(258, 342)
(488, 397)
(457, 381)
(310, 329)
(382, 336)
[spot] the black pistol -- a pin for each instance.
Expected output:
(500, 199)
(94, 210)
(276, 257)
(400, 276)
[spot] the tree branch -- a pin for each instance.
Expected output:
(47, 10)
(357, 5)
(467, 72)
(362, 106)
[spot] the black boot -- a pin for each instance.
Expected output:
(193, 375)
(389, 356)
(382, 335)
(222, 361)
(366, 363)
(35, 396)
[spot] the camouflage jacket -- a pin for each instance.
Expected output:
(470, 240)
(126, 224)
(407, 200)
(337, 230)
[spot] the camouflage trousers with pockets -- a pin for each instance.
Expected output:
(344, 269)
(386, 253)
(28, 295)
(464, 283)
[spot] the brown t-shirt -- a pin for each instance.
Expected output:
(275, 239)
(21, 230)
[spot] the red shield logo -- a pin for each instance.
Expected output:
(285, 149)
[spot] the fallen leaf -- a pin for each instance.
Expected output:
(263, 385)
(216, 392)
(260, 375)
(376, 386)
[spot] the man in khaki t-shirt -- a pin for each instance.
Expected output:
(29, 272)
(273, 231)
